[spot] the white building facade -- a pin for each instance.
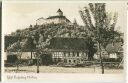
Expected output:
(58, 19)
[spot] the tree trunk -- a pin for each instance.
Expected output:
(37, 65)
(31, 55)
(17, 67)
(101, 61)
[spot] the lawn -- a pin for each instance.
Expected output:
(53, 69)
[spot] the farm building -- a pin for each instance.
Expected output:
(115, 50)
(69, 50)
(112, 51)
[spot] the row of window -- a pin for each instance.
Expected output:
(67, 60)
(68, 54)
(72, 61)
(57, 59)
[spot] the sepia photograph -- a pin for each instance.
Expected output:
(63, 37)
(0, 34)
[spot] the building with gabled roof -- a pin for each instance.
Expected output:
(71, 51)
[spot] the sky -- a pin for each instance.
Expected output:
(19, 15)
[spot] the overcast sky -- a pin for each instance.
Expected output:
(19, 15)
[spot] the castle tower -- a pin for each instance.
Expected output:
(60, 13)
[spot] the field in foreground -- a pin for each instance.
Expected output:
(49, 69)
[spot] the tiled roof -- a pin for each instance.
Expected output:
(116, 47)
(68, 44)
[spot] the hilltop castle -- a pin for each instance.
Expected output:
(58, 19)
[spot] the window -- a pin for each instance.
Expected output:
(52, 55)
(69, 61)
(74, 61)
(65, 60)
(64, 54)
(59, 59)
(71, 54)
(59, 53)
(77, 54)
(84, 54)
(80, 54)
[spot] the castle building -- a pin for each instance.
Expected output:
(58, 19)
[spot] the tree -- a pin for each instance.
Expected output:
(28, 45)
(100, 25)
(23, 44)
(16, 47)
(42, 39)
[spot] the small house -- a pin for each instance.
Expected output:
(115, 50)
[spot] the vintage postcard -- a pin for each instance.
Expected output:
(0, 34)
(64, 40)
